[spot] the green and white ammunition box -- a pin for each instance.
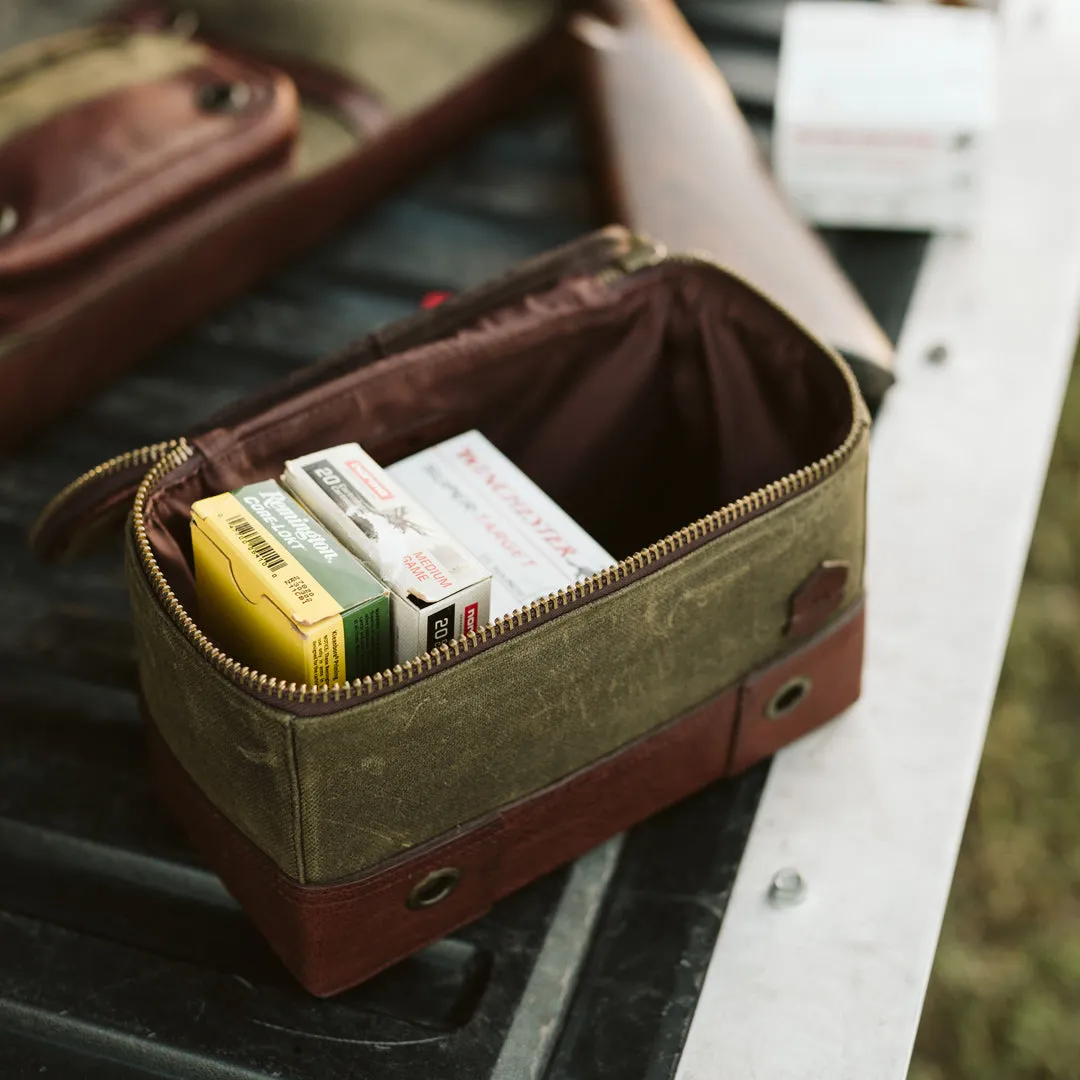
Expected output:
(276, 589)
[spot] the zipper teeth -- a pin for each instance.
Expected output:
(141, 457)
(171, 455)
(266, 685)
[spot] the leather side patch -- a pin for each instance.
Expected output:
(560, 822)
(366, 925)
(817, 599)
(799, 692)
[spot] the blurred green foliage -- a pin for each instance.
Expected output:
(1004, 997)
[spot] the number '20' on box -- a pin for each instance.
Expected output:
(438, 590)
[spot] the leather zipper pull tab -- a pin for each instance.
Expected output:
(82, 510)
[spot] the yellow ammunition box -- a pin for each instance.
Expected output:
(277, 591)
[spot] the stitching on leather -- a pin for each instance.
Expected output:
(489, 832)
(480, 836)
(484, 839)
(400, 876)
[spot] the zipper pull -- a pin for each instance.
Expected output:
(90, 502)
(642, 253)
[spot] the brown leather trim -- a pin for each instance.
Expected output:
(334, 936)
(567, 819)
(799, 692)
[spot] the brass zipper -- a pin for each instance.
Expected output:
(269, 687)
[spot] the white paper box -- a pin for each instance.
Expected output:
(531, 546)
(884, 111)
(438, 590)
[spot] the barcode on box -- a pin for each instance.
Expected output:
(257, 544)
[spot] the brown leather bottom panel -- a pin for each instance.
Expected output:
(334, 936)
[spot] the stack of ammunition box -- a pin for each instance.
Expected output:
(339, 570)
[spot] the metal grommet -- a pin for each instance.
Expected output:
(789, 697)
(224, 97)
(9, 219)
(434, 888)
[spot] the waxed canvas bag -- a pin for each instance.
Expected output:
(699, 434)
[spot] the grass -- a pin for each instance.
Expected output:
(1004, 997)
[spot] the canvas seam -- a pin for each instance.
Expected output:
(297, 816)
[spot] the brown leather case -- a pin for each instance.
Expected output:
(147, 176)
(675, 159)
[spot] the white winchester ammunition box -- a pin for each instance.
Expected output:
(438, 590)
(884, 113)
(530, 545)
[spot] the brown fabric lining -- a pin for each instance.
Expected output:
(639, 408)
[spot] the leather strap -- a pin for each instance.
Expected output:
(359, 106)
(817, 599)
(334, 936)
(798, 693)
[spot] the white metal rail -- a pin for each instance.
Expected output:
(871, 809)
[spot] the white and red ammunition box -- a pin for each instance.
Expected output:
(438, 590)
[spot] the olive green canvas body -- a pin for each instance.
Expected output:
(329, 797)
